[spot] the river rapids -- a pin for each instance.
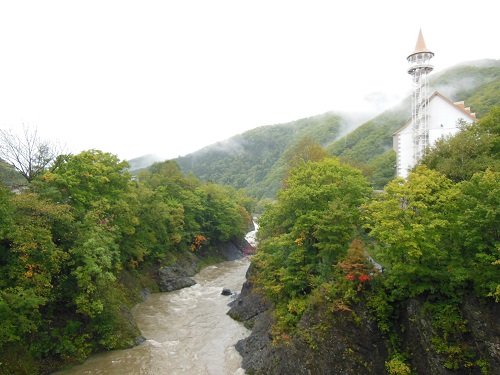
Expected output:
(187, 331)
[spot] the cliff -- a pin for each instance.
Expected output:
(348, 341)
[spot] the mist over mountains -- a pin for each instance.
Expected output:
(143, 161)
(254, 160)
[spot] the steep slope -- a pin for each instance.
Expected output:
(9, 176)
(374, 137)
(465, 81)
(253, 160)
(476, 83)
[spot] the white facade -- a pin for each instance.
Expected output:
(442, 121)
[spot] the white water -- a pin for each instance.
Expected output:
(251, 237)
(187, 331)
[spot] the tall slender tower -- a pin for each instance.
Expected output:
(419, 69)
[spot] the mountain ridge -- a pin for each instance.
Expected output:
(253, 160)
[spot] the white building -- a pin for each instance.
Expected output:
(443, 116)
(433, 117)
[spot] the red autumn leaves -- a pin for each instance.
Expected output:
(363, 278)
(355, 265)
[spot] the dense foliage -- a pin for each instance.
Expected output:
(254, 160)
(435, 235)
(439, 237)
(307, 232)
(66, 241)
(438, 241)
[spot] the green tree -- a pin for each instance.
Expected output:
(382, 169)
(30, 262)
(411, 223)
(96, 261)
(170, 186)
(87, 180)
(307, 232)
(477, 230)
(224, 217)
(474, 149)
(305, 150)
(95, 182)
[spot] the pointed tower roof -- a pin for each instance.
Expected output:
(420, 47)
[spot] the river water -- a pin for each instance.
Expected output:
(187, 331)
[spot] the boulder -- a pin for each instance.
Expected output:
(173, 278)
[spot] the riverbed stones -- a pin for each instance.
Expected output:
(226, 292)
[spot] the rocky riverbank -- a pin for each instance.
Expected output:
(350, 342)
(185, 331)
(178, 275)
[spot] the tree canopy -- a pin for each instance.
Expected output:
(307, 232)
(67, 240)
(434, 236)
(475, 148)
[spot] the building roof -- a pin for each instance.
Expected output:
(459, 105)
(420, 47)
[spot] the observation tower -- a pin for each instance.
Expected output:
(419, 68)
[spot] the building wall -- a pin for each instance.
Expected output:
(442, 122)
(404, 151)
(443, 119)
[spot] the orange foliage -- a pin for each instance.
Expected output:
(356, 265)
(198, 241)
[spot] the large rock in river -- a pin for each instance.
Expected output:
(174, 277)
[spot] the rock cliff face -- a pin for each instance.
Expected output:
(178, 275)
(480, 339)
(349, 342)
(484, 325)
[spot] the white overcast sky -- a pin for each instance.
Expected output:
(169, 77)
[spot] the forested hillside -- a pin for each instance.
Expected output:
(402, 281)
(476, 83)
(254, 160)
(81, 238)
(472, 82)
(9, 176)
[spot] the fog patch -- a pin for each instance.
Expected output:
(143, 161)
(452, 89)
(231, 146)
(485, 63)
(351, 121)
(459, 84)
